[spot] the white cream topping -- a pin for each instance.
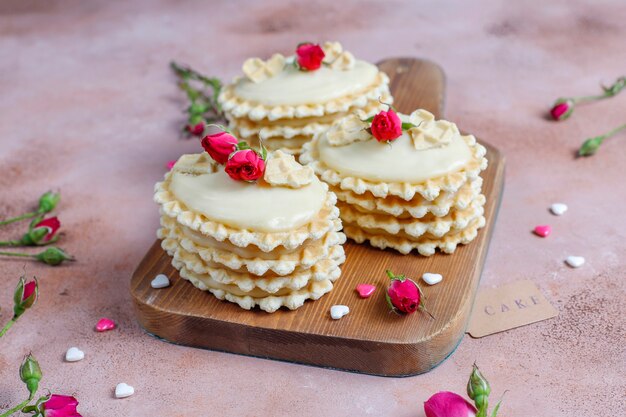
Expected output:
(248, 205)
(400, 162)
(293, 87)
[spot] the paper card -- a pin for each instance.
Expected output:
(509, 306)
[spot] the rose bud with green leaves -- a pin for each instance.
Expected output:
(202, 92)
(562, 109)
(591, 145)
(30, 374)
(309, 56)
(52, 256)
(25, 296)
(47, 202)
(220, 145)
(448, 404)
(478, 389)
(403, 295)
(43, 233)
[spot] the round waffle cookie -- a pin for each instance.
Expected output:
(420, 191)
(284, 106)
(273, 243)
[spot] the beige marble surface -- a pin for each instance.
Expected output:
(89, 106)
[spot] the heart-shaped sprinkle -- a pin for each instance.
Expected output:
(558, 208)
(74, 354)
(105, 324)
(432, 279)
(365, 290)
(160, 281)
(575, 261)
(338, 311)
(123, 390)
(542, 230)
(170, 164)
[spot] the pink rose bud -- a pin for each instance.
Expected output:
(60, 406)
(170, 164)
(309, 56)
(25, 296)
(386, 126)
(448, 404)
(404, 295)
(220, 145)
(51, 225)
(197, 129)
(562, 109)
(42, 233)
(245, 165)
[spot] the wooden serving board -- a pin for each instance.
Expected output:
(370, 339)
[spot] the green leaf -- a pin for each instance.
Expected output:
(369, 119)
(615, 88)
(242, 145)
(407, 126)
(496, 408)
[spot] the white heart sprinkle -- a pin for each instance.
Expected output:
(339, 311)
(575, 261)
(74, 354)
(558, 208)
(123, 390)
(160, 281)
(432, 279)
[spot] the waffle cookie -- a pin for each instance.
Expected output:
(418, 191)
(271, 243)
(283, 105)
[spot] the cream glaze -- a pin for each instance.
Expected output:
(400, 162)
(293, 87)
(250, 206)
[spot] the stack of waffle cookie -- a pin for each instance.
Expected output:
(270, 244)
(285, 107)
(422, 191)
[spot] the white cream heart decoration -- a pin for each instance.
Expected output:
(432, 279)
(160, 281)
(123, 390)
(74, 354)
(575, 261)
(338, 311)
(558, 208)
(282, 170)
(258, 70)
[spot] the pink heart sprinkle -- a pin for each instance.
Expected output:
(105, 324)
(365, 290)
(543, 230)
(170, 165)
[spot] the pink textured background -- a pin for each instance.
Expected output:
(88, 105)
